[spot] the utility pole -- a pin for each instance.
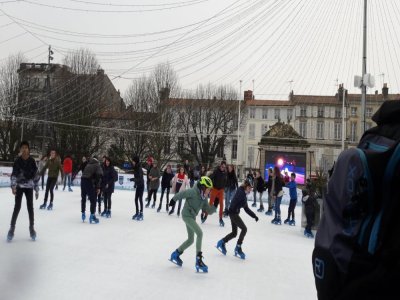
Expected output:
(238, 129)
(343, 116)
(47, 102)
(364, 70)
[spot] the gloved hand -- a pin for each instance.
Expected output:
(132, 179)
(216, 202)
(36, 195)
(172, 202)
(256, 218)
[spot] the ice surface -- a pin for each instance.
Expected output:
(124, 259)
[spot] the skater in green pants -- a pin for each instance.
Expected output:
(196, 200)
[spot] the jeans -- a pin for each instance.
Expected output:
(278, 207)
(88, 189)
(51, 182)
(229, 193)
(67, 177)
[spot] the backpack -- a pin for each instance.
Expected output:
(357, 248)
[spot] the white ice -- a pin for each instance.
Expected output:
(124, 259)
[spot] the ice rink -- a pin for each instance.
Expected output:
(124, 259)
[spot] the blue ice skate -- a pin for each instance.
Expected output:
(175, 258)
(221, 223)
(239, 253)
(286, 221)
(43, 206)
(134, 217)
(108, 214)
(32, 233)
(292, 223)
(269, 212)
(221, 247)
(93, 219)
(200, 265)
(103, 214)
(50, 207)
(139, 217)
(83, 217)
(10, 234)
(308, 234)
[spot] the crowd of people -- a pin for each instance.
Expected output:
(194, 184)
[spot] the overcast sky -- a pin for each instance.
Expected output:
(306, 45)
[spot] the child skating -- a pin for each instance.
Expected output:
(239, 201)
(293, 199)
(196, 200)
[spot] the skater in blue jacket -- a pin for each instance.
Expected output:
(293, 199)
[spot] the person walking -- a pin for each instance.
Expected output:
(54, 166)
(196, 200)
(24, 180)
(239, 201)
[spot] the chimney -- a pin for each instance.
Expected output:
(248, 95)
(376, 92)
(385, 91)
(100, 72)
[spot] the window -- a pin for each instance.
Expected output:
(234, 149)
(320, 130)
(303, 129)
(353, 111)
(250, 156)
(252, 113)
(181, 142)
(338, 131)
(303, 111)
(353, 131)
(277, 114)
(220, 152)
(193, 142)
(338, 112)
(264, 129)
(289, 114)
(321, 111)
(368, 112)
(167, 146)
(265, 113)
(252, 131)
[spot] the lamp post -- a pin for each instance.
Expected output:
(238, 128)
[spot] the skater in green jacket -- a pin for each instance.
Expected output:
(196, 200)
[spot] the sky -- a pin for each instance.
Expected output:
(124, 259)
(271, 46)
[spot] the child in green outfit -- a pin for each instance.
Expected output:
(196, 200)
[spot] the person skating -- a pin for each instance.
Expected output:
(90, 186)
(154, 184)
(231, 187)
(107, 186)
(139, 185)
(239, 201)
(293, 199)
(42, 162)
(179, 183)
(54, 166)
(259, 185)
(270, 191)
(196, 200)
(166, 186)
(67, 168)
(278, 194)
(310, 203)
(218, 178)
(100, 196)
(24, 179)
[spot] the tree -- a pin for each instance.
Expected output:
(9, 125)
(82, 61)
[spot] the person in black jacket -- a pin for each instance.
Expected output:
(239, 201)
(260, 188)
(166, 185)
(270, 188)
(230, 189)
(139, 184)
(107, 186)
(24, 179)
(278, 194)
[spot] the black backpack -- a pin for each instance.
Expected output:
(357, 245)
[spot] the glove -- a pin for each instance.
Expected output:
(36, 195)
(172, 202)
(256, 218)
(132, 179)
(216, 202)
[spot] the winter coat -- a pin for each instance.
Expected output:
(154, 178)
(184, 183)
(138, 175)
(25, 174)
(94, 172)
(310, 204)
(231, 181)
(194, 202)
(278, 185)
(259, 184)
(270, 184)
(218, 178)
(54, 166)
(108, 179)
(292, 190)
(166, 179)
(240, 201)
(67, 165)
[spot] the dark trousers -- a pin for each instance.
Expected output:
(292, 206)
(99, 196)
(162, 195)
(107, 200)
(310, 220)
(139, 198)
(17, 207)
(51, 182)
(154, 194)
(42, 177)
(236, 222)
(88, 189)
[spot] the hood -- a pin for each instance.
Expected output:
(388, 113)
(93, 161)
